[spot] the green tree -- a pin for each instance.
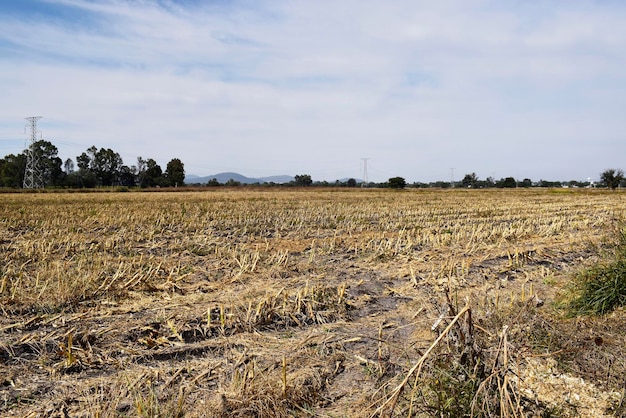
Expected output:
(81, 179)
(547, 183)
(489, 182)
(128, 176)
(68, 166)
(397, 183)
(107, 165)
(104, 164)
(233, 183)
(440, 184)
(175, 172)
(49, 163)
(470, 180)
(508, 182)
(12, 169)
(351, 183)
(85, 160)
(152, 174)
(303, 180)
(612, 178)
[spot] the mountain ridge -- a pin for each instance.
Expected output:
(226, 176)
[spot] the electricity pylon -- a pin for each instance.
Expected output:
(32, 176)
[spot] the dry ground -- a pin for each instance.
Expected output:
(304, 303)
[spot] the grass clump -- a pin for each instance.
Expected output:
(601, 288)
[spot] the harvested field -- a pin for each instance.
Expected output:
(330, 303)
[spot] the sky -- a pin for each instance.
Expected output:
(425, 90)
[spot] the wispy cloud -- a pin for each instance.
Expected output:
(532, 89)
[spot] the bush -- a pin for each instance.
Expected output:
(612, 178)
(600, 289)
(397, 183)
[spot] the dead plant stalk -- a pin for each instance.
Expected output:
(417, 368)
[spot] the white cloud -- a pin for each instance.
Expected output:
(286, 87)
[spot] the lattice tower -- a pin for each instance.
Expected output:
(33, 178)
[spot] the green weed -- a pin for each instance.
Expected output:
(601, 288)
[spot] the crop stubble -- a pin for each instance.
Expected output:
(272, 303)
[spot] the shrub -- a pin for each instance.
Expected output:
(600, 289)
(397, 183)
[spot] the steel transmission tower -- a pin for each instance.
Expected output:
(452, 177)
(32, 176)
(365, 179)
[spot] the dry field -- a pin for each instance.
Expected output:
(330, 303)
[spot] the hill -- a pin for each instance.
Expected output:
(225, 177)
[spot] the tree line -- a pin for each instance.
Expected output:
(104, 167)
(93, 168)
(611, 178)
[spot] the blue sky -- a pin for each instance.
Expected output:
(500, 88)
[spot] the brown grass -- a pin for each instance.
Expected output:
(304, 303)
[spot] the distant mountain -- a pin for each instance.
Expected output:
(276, 179)
(225, 177)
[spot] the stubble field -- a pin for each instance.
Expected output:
(331, 303)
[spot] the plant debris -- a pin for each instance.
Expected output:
(357, 303)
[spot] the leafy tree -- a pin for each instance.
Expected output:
(578, 184)
(81, 179)
(303, 180)
(489, 182)
(508, 182)
(213, 183)
(397, 183)
(470, 180)
(49, 163)
(141, 166)
(612, 178)
(440, 184)
(351, 183)
(526, 183)
(140, 170)
(175, 172)
(12, 169)
(547, 183)
(68, 166)
(128, 176)
(85, 160)
(152, 174)
(233, 183)
(107, 165)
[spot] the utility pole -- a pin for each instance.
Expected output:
(365, 179)
(32, 176)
